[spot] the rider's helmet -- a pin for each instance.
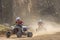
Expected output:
(40, 20)
(18, 18)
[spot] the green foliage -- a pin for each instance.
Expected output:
(4, 28)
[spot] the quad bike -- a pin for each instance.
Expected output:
(19, 31)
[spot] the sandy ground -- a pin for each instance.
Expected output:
(51, 31)
(43, 37)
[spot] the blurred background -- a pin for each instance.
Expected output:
(29, 10)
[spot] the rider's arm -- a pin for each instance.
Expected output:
(22, 22)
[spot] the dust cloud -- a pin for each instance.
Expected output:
(48, 28)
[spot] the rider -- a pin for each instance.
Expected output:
(19, 22)
(40, 24)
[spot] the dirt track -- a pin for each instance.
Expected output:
(43, 37)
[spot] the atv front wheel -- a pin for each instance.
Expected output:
(29, 34)
(8, 34)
